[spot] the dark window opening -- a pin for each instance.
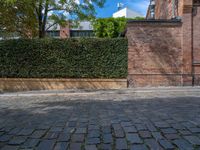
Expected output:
(53, 33)
(196, 2)
(81, 33)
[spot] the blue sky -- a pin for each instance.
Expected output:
(111, 7)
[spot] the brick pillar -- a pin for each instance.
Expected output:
(187, 42)
(65, 31)
(196, 44)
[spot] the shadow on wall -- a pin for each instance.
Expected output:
(155, 52)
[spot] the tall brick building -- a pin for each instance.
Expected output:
(165, 50)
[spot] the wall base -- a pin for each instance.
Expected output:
(23, 84)
(155, 80)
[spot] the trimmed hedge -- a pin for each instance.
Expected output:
(69, 58)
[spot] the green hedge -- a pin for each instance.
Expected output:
(71, 58)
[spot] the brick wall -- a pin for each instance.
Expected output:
(166, 52)
(196, 44)
(163, 9)
(155, 54)
(65, 31)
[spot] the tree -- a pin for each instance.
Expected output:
(31, 16)
(111, 27)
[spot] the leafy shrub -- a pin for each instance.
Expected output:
(69, 58)
(111, 27)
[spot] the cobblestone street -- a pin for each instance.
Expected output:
(107, 120)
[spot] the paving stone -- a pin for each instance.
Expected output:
(72, 124)
(42, 127)
(38, 133)
(106, 129)
(51, 135)
(193, 139)
(152, 144)
(17, 140)
(90, 147)
(5, 138)
(107, 138)
(119, 133)
(46, 144)
(93, 127)
(140, 127)
(26, 131)
(157, 135)
(166, 145)
(63, 137)
(81, 131)
(106, 147)
(94, 133)
(61, 146)
(172, 136)
(178, 126)
(138, 147)
(121, 144)
(30, 143)
(184, 132)
(93, 141)
(168, 131)
(100, 116)
(56, 129)
(15, 131)
(83, 125)
(188, 125)
(130, 129)
(78, 138)
(7, 129)
(9, 147)
(116, 126)
(1, 133)
(134, 138)
(162, 124)
(183, 144)
(145, 134)
(195, 130)
(75, 146)
(126, 124)
(69, 130)
(151, 127)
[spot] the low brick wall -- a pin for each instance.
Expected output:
(155, 56)
(22, 84)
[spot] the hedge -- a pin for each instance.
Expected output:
(69, 58)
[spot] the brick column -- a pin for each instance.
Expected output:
(187, 42)
(65, 31)
(196, 44)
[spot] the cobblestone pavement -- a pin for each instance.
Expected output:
(106, 120)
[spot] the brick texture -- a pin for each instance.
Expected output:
(165, 53)
(155, 54)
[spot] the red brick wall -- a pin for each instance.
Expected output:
(65, 31)
(155, 54)
(163, 53)
(163, 9)
(196, 44)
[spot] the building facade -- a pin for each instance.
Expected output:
(83, 29)
(127, 13)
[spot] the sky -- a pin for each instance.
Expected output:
(111, 6)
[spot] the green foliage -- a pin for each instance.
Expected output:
(69, 58)
(111, 27)
(32, 18)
